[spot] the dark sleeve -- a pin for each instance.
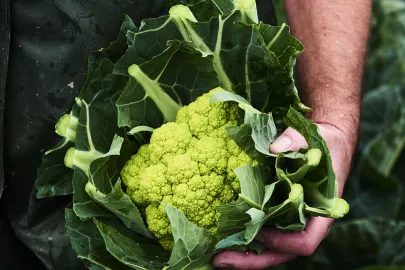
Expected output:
(4, 50)
(11, 248)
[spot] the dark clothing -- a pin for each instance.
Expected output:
(47, 61)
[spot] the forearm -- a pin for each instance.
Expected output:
(335, 35)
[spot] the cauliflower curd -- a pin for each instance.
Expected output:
(188, 164)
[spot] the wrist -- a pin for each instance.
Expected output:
(337, 108)
(343, 120)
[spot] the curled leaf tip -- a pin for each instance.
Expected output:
(78, 101)
(341, 208)
(296, 192)
(61, 125)
(247, 7)
(133, 69)
(244, 4)
(314, 157)
(67, 126)
(90, 188)
(69, 157)
(183, 12)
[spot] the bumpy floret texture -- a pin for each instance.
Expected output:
(188, 164)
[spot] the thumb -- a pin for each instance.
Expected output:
(290, 140)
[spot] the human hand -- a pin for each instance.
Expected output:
(285, 246)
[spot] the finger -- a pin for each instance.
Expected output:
(303, 243)
(290, 140)
(250, 260)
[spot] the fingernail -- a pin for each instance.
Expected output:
(282, 144)
(224, 266)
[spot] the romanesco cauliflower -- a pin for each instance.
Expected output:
(187, 164)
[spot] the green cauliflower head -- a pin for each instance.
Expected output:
(187, 164)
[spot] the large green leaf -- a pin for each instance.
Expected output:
(242, 137)
(104, 189)
(284, 51)
(154, 34)
(233, 217)
(88, 243)
(193, 246)
(282, 44)
(264, 131)
(258, 130)
(53, 177)
(159, 87)
(242, 54)
(147, 42)
(133, 251)
(96, 131)
(252, 181)
(121, 205)
(243, 62)
(237, 239)
(281, 203)
(254, 220)
(117, 47)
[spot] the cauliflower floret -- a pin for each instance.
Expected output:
(130, 173)
(159, 224)
(227, 195)
(132, 168)
(203, 118)
(196, 205)
(214, 184)
(154, 180)
(211, 155)
(168, 140)
(181, 169)
(233, 148)
(189, 165)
